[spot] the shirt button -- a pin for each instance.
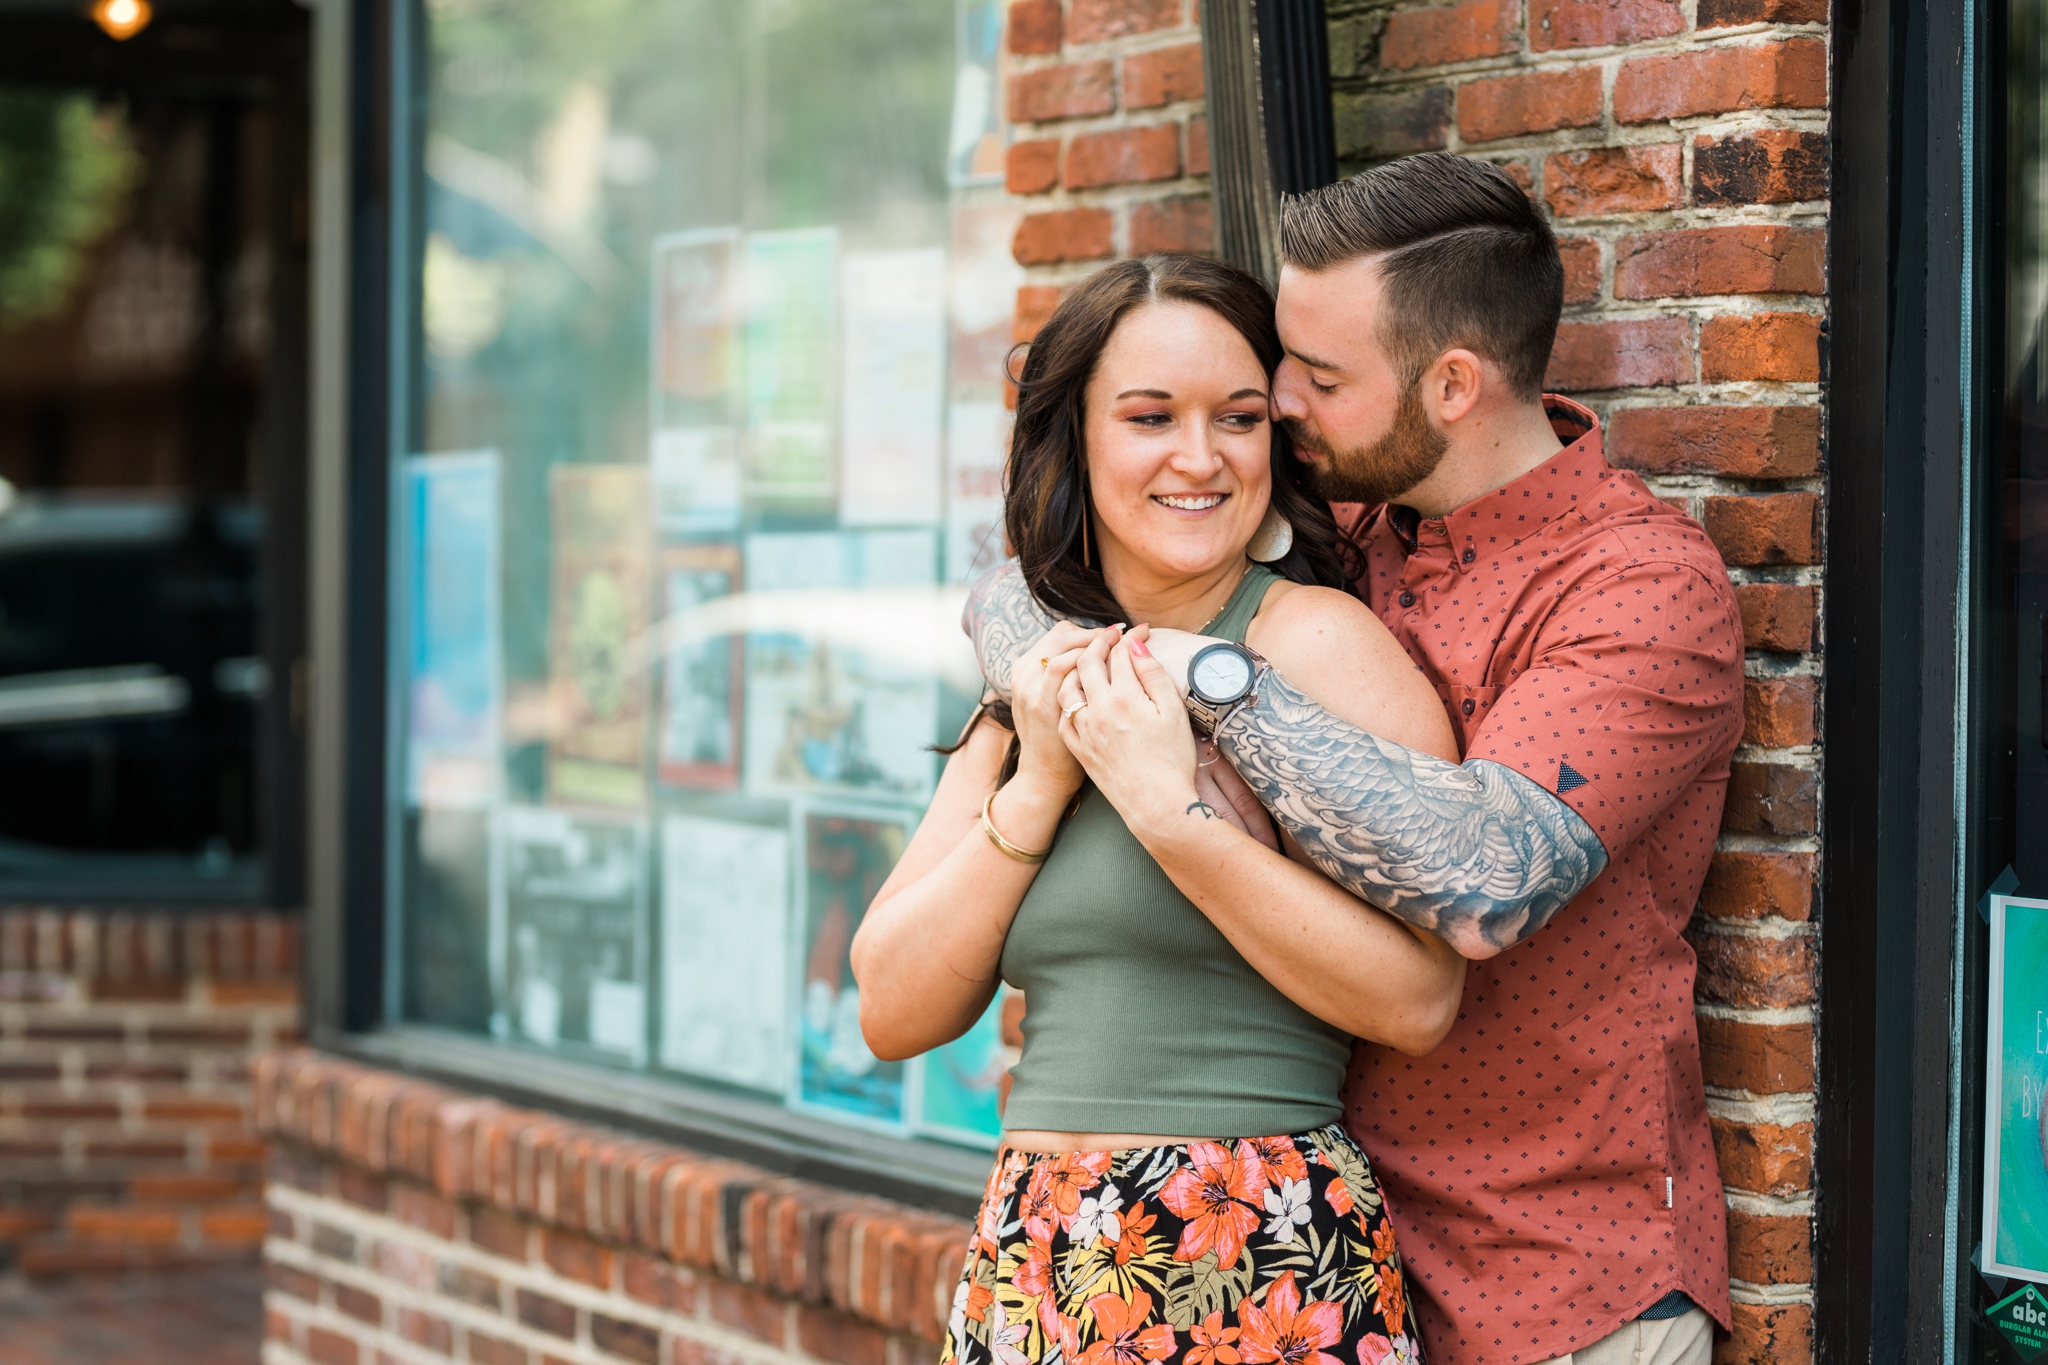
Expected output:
(1468, 706)
(1407, 599)
(1469, 556)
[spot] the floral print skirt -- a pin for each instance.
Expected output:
(1252, 1250)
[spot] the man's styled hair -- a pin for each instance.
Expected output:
(1465, 259)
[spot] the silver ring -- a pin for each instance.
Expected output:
(1068, 712)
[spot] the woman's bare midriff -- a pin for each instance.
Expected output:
(1036, 1140)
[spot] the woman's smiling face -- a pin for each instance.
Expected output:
(1179, 445)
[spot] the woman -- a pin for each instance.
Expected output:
(1174, 1184)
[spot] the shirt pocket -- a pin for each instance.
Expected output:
(1466, 706)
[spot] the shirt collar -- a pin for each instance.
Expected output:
(1583, 454)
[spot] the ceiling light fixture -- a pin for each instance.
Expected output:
(122, 19)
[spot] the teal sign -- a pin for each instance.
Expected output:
(2015, 1085)
(2022, 1319)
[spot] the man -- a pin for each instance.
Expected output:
(1550, 1164)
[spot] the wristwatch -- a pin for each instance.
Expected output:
(1221, 678)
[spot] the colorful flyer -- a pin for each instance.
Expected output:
(892, 415)
(455, 694)
(696, 475)
(841, 689)
(958, 1086)
(697, 743)
(597, 621)
(2015, 1088)
(981, 296)
(725, 937)
(975, 144)
(792, 291)
(977, 444)
(572, 910)
(848, 852)
(697, 320)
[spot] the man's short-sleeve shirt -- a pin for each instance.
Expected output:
(1550, 1163)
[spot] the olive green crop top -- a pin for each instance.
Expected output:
(1140, 1017)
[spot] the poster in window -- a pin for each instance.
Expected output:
(725, 937)
(792, 292)
(893, 411)
(977, 442)
(957, 1085)
(597, 621)
(847, 629)
(982, 276)
(573, 926)
(694, 454)
(698, 738)
(848, 851)
(975, 143)
(456, 689)
(2015, 1087)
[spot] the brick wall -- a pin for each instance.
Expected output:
(125, 1045)
(412, 1224)
(1680, 149)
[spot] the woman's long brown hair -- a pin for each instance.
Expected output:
(1046, 476)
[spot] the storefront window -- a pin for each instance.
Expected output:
(700, 380)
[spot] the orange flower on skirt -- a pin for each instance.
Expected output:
(1125, 1339)
(1285, 1333)
(1217, 1195)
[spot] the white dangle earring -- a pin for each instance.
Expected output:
(1273, 539)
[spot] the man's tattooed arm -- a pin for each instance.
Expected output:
(1478, 855)
(1003, 620)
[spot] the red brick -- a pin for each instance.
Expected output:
(1754, 973)
(1581, 269)
(194, 1109)
(424, 1329)
(183, 1185)
(1198, 146)
(1755, 258)
(1535, 102)
(362, 1189)
(1062, 235)
(1778, 1334)
(291, 1280)
(658, 1283)
(470, 1285)
(283, 993)
(1780, 713)
(409, 1265)
(75, 1111)
(241, 1225)
(1609, 180)
(1098, 21)
(498, 1233)
(1744, 443)
(1774, 528)
(1778, 616)
(1768, 166)
(1034, 27)
(1781, 346)
(489, 1350)
(1764, 1158)
(749, 1310)
(1440, 34)
(1186, 224)
(1715, 80)
(577, 1258)
(1764, 1059)
(1165, 75)
(423, 1209)
(1753, 883)
(1075, 90)
(625, 1339)
(1731, 13)
(168, 989)
(277, 1326)
(330, 1348)
(132, 1224)
(545, 1313)
(1123, 156)
(1035, 303)
(838, 1338)
(359, 1304)
(1764, 1249)
(1770, 798)
(1615, 355)
(1381, 124)
(1032, 167)
(1555, 24)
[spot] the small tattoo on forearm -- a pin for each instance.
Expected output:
(1208, 811)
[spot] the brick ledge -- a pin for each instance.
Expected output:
(882, 1262)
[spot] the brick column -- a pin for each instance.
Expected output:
(1681, 152)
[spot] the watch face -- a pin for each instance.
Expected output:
(1220, 675)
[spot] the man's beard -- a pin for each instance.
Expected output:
(1382, 471)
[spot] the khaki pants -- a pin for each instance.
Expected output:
(1684, 1340)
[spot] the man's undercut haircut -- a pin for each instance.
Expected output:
(1465, 260)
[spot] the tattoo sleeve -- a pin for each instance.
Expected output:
(1002, 618)
(1477, 854)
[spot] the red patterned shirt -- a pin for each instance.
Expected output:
(1584, 634)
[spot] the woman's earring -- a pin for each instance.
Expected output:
(1084, 537)
(1273, 539)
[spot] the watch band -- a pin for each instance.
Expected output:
(1207, 718)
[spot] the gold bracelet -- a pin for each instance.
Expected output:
(1004, 846)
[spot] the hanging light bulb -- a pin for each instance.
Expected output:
(122, 19)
